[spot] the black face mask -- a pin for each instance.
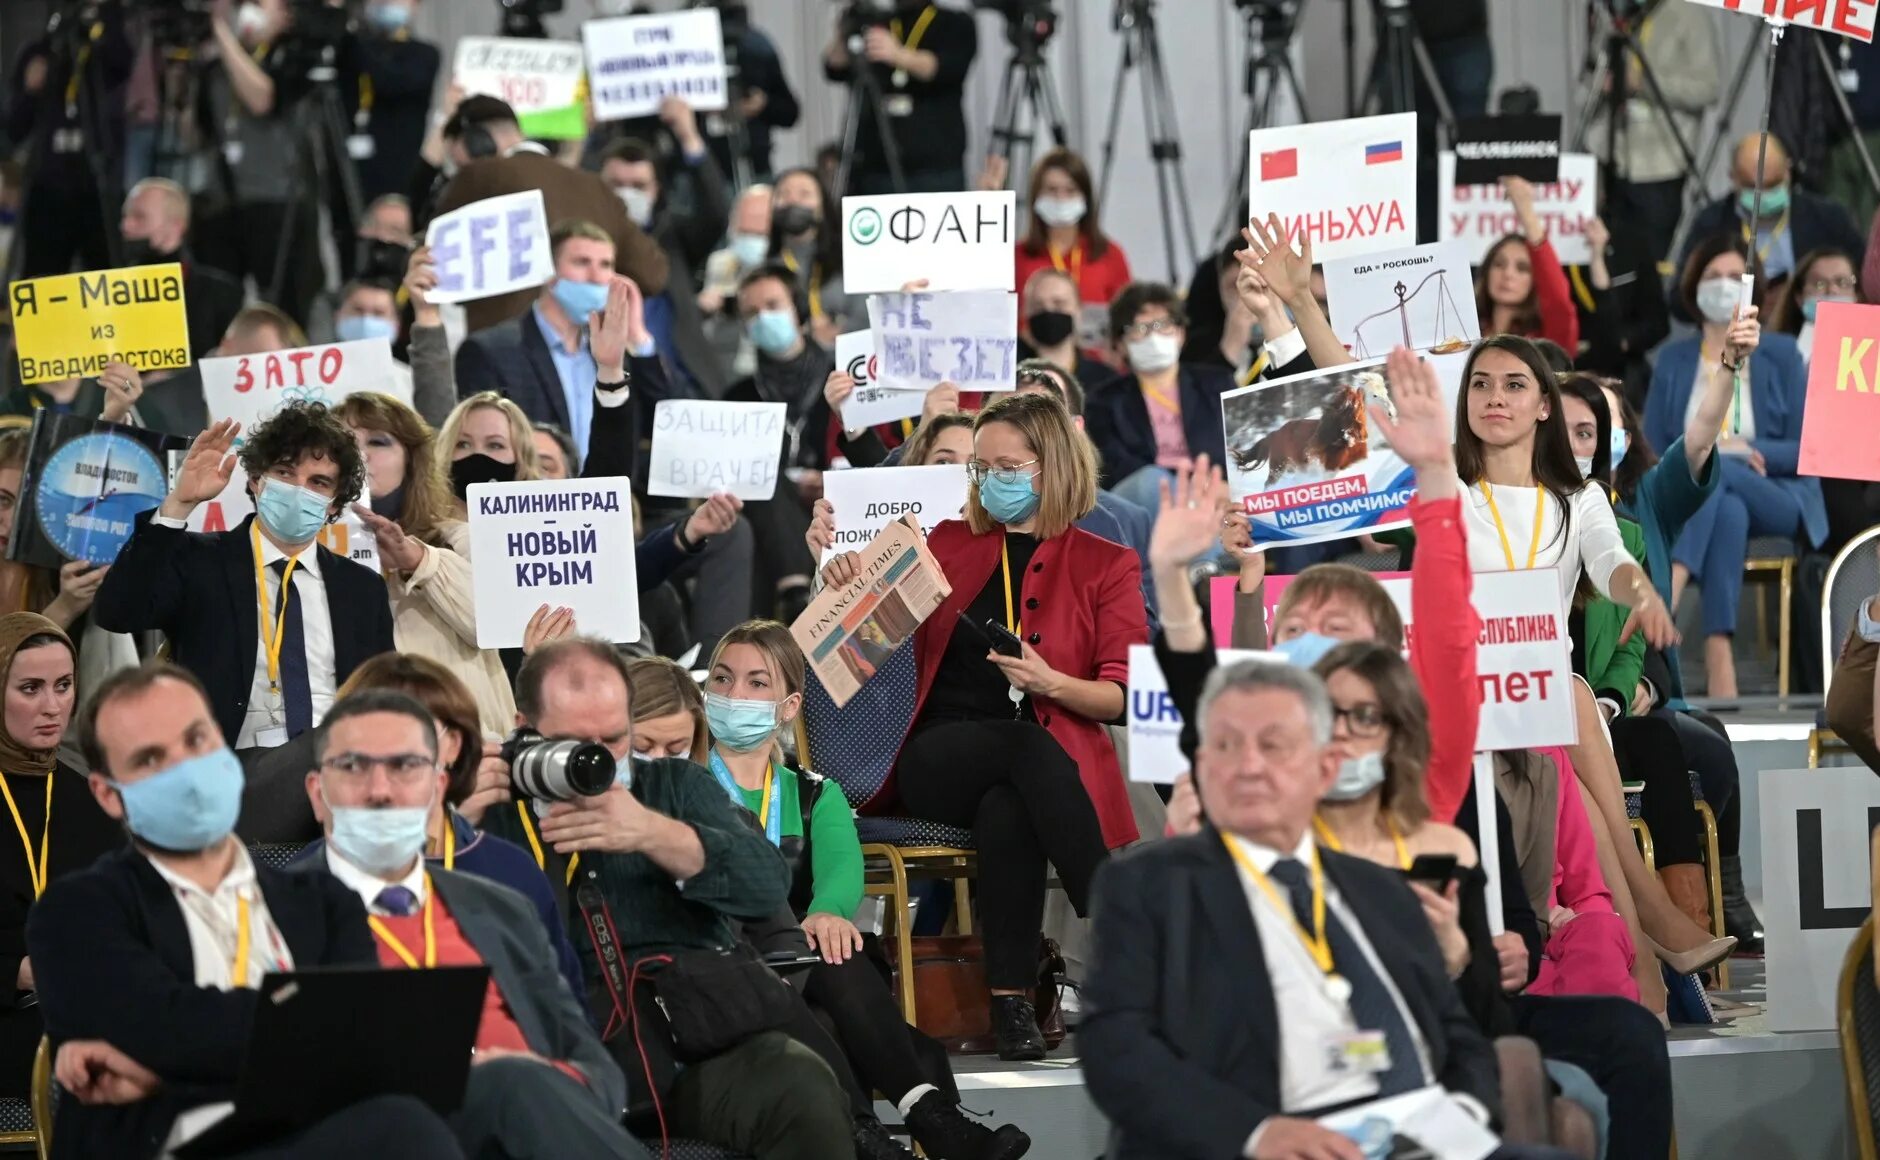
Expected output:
(392, 503)
(795, 219)
(478, 468)
(1050, 327)
(139, 252)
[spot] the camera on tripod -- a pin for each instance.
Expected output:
(858, 16)
(557, 771)
(524, 17)
(1028, 23)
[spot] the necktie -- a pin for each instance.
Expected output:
(397, 901)
(296, 691)
(1371, 1003)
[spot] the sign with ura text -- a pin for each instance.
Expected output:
(71, 325)
(1480, 216)
(957, 241)
(1348, 186)
(1155, 728)
(635, 62)
(968, 338)
(704, 446)
(1843, 408)
(491, 247)
(566, 543)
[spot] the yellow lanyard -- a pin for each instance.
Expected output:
(238, 974)
(1581, 291)
(1534, 545)
(1076, 268)
(907, 428)
(366, 98)
(35, 869)
(1166, 403)
(1328, 838)
(272, 639)
(1317, 944)
(450, 843)
(1005, 565)
(1775, 235)
(78, 71)
(535, 844)
(920, 28)
(399, 948)
(815, 282)
(763, 805)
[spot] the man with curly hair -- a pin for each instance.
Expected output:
(271, 662)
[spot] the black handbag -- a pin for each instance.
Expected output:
(715, 999)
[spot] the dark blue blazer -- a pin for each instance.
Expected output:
(112, 960)
(1117, 419)
(1778, 383)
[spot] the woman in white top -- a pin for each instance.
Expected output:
(1529, 507)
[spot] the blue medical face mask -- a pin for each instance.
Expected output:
(750, 249)
(739, 725)
(388, 17)
(188, 807)
(1357, 776)
(1009, 503)
(1775, 201)
(772, 331)
(360, 327)
(1616, 448)
(379, 841)
(1809, 304)
(1304, 650)
(580, 299)
(293, 515)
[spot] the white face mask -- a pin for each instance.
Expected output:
(1585, 464)
(639, 204)
(1716, 298)
(1059, 211)
(1357, 776)
(252, 22)
(1157, 352)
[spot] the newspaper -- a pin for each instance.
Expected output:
(850, 631)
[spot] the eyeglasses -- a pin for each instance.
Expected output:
(405, 768)
(1840, 284)
(1361, 720)
(977, 470)
(1153, 326)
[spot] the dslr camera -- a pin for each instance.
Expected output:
(557, 771)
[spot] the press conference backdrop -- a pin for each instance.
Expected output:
(1539, 42)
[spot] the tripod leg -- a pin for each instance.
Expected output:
(1726, 116)
(1445, 112)
(1053, 108)
(1125, 62)
(851, 132)
(1165, 141)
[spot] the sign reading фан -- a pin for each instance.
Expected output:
(956, 241)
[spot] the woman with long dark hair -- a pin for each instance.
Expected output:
(1065, 233)
(1520, 287)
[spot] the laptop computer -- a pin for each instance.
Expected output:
(325, 1039)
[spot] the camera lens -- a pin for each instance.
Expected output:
(557, 770)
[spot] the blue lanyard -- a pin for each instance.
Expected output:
(773, 825)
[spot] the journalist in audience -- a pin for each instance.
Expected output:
(390, 97)
(766, 1094)
(804, 240)
(1052, 315)
(1065, 234)
(541, 1083)
(1793, 222)
(37, 664)
(1521, 287)
(1820, 276)
(147, 962)
(271, 661)
(919, 57)
(155, 227)
(1761, 492)
(555, 456)
(1007, 738)
(1621, 302)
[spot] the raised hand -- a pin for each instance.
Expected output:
(944, 397)
(1520, 193)
(822, 530)
(1743, 337)
(123, 386)
(1270, 253)
(548, 624)
(716, 516)
(1189, 519)
(206, 470)
(1421, 433)
(401, 551)
(618, 328)
(837, 388)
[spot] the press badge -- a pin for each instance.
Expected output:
(361, 147)
(271, 738)
(1357, 1053)
(899, 105)
(232, 152)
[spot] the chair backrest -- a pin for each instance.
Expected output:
(1857, 1009)
(855, 745)
(1385, 561)
(45, 1097)
(275, 855)
(1853, 577)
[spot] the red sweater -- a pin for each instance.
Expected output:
(1560, 319)
(1443, 636)
(1098, 279)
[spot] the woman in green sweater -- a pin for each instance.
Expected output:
(754, 692)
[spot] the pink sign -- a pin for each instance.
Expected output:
(1843, 409)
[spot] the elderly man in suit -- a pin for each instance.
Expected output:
(542, 1084)
(1245, 980)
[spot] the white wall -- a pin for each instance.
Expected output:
(1537, 42)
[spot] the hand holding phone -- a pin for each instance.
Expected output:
(1433, 870)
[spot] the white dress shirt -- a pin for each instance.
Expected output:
(211, 919)
(1593, 543)
(1741, 409)
(316, 622)
(367, 886)
(1309, 1017)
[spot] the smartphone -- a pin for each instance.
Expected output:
(1433, 870)
(1004, 641)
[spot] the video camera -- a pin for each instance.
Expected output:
(557, 771)
(524, 17)
(1028, 23)
(858, 16)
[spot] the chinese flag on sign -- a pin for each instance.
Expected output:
(1278, 164)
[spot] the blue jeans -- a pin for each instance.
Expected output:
(1715, 543)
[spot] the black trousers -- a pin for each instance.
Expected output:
(1013, 785)
(1707, 748)
(1620, 1045)
(879, 1050)
(1648, 750)
(392, 1127)
(244, 241)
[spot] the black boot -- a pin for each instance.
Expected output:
(944, 1133)
(1739, 918)
(873, 1141)
(1015, 1028)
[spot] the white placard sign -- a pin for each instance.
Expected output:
(704, 446)
(1422, 298)
(957, 241)
(532, 76)
(968, 338)
(867, 499)
(635, 62)
(1816, 826)
(1854, 18)
(1524, 661)
(566, 543)
(251, 388)
(1479, 215)
(870, 403)
(489, 247)
(1350, 186)
(1155, 728)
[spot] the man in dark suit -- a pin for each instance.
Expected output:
(1245, 980)
(147, 962)
(272, 663)
(155, 225)
(496, 159)
(542, 1084)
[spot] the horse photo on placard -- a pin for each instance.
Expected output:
(1307, 463)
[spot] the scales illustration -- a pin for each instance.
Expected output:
(1445, 335)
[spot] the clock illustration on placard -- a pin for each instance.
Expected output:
(91, 491)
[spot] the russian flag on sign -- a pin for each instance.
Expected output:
(1278, 164)
(1382, 152)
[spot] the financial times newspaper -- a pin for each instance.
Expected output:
(851, 630)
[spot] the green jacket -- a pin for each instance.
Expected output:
(835, 849)
(1613, 669)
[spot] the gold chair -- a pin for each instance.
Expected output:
(1634, 801)
(1758, 568)
(888, 868)
(42, 1097)
(1857, 1015)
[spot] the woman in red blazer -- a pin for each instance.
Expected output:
(1013, 748)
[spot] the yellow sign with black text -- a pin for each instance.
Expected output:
(71, 325)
